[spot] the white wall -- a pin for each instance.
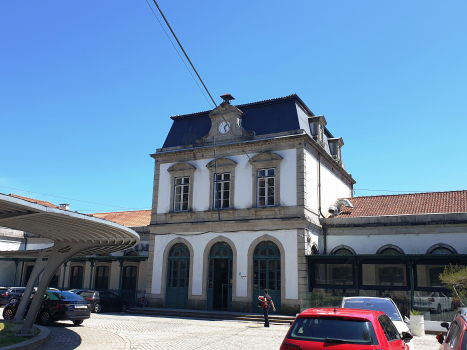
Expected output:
(242, 241)
(332, 188)
(243, 182)
(311, 168)
(410, 243)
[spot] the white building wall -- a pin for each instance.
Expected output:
(243, 182)
(242, 241)
(332, 188)
(410, 243)
(311, 164)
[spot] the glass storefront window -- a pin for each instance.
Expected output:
(428, 275)
(334, 274)
(400, 297)
(322, 297)
(384, 275)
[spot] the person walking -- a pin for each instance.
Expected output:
(266, 306)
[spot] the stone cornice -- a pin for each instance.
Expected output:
(254, 146)
(230, 226)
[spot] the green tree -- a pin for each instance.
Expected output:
(455, 278)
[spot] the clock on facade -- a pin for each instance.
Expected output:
(224, 127)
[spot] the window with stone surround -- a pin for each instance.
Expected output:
(222, 190)
(266, 179)
(181, 184)
(181, 193)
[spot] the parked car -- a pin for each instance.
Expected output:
(385, 305)
(3, 297)
(433, 301)
(56, 306)
(344, 329)
(11, 294)
(456, 338)
(102, 301)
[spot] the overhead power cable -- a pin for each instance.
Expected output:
(270, 190)
(199, 87)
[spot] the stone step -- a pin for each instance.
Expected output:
(217, 315)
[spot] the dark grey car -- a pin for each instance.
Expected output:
(102, 301)
(11, 294)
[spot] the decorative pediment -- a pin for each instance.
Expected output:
(226, 125)
(222, 162)
(182, 166)
(265, 159)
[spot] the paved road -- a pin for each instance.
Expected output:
(135, 332)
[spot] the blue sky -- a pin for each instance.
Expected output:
(87, 88)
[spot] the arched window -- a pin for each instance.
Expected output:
(267, 272)
(441, 248)
(178, 276)
(342, 250)
(179, 266)
(220, 279)
(390, 249)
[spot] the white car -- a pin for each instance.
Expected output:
(386, 305)
(433, 301)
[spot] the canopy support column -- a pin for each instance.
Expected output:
(39, 266)
(61, 252)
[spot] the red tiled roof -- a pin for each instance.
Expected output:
(47, 204)
(411, 203)
(133, 218)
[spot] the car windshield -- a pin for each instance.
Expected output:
(383, 305)
(333, 331)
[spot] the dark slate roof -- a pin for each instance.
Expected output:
(263, 117)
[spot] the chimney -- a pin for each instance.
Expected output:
(227, 98)
(64, 206)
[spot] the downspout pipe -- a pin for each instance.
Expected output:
(319, 204)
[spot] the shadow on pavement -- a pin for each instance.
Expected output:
(62, 337)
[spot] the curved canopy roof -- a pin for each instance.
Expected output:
(65, 226)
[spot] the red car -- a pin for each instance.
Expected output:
(348, 329)
(456, 338)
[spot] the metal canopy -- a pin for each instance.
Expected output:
(72, 234)
(65, 226)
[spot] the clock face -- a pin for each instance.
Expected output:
(224, 127)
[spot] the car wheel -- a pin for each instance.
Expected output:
(77, 323)
(8, 314)
(97, 308)
(438, 310)
(44, 318)
(124, 307)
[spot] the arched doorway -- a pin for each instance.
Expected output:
(219, 295)
(178, 276)
(267, 273)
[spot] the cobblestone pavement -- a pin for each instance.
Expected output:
(136, 332)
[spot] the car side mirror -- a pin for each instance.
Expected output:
(440, 338)
(445, 325)
(406, 337)
(406, 320)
